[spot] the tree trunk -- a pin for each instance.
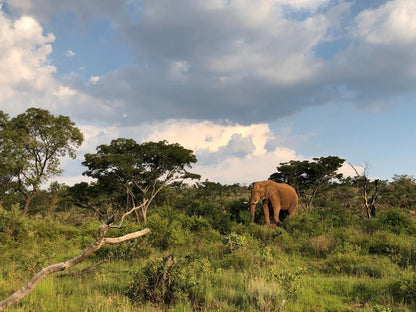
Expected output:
(100, 241)
(27, 202)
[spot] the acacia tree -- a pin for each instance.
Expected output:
(308, 176)
(31, 147)
(142, 170)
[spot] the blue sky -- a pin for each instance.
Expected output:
(245, 84)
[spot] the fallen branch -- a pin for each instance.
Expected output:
(280, 309)
(100, 241)
(88, 269)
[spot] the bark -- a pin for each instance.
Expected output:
(100, 241)
(28, 199)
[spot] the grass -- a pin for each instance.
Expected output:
(251, 268)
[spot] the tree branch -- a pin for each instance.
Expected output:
(100, 241)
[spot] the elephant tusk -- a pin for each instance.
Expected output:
(246, 202)
(252, 203)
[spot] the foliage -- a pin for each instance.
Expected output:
(167, 280)
(404, 287)
(401, 192)
(216, 216)
(397, 221)
(30, 150)
(308, 176)
(141, 169)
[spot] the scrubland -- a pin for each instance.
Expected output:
(201, 258)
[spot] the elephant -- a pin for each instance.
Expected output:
(280, 195)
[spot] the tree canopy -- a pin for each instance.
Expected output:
(307, 176)
(31, 146)
(141, 169)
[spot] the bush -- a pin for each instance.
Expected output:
(397, 221)
(342, 262)
(403, 289)
(307, 223)
(400, 248)
(14, 228)
(168, 280)
(239, 211)
(216, 216)
(323, 244)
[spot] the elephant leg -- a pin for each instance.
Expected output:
(292, 209)
(276, 209)
(266, 211)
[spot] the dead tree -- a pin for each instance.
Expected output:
(369, 207)
(97, 244)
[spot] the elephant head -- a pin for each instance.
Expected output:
(281, 196)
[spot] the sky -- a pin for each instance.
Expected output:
(245, 84)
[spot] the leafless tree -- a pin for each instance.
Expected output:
(369, 206)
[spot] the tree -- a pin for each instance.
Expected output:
(141, 170)
(308, 176)
(363, 181)
(402, 192)
(32, 145)
(95, 197)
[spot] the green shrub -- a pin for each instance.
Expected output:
(168, 280)
(215, 215)
(234, 241)
(323, 244)
(403, 289)
(342, 262)
(239, 211)
(397, 221)
(307, 223)
(336, 216)
(14, 228)
(400, 248)
(367, 269)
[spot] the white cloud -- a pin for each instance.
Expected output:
(70, 53)
(392, 23)
(242, 153)
(25, 71)
(95, 79)
(304, 4)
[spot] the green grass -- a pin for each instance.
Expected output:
(362, 266)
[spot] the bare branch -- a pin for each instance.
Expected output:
(356, 171)
(145, 201)
(280, 309)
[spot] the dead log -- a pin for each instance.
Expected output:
(97, 244)
(280, 309)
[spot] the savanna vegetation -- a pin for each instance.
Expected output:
(350, 247)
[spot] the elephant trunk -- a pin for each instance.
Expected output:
(253, 203)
